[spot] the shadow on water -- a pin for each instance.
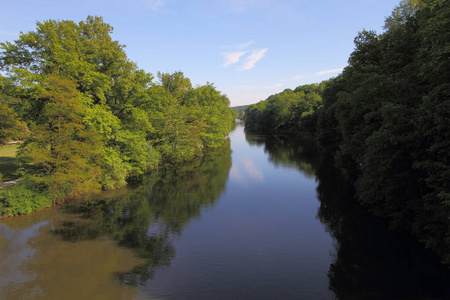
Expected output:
(371, 262)
(148, 218)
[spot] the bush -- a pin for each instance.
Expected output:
(23, 198)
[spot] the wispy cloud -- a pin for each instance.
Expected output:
(244, 46)
(155, 4)
(329, 71)
(238, 47)
(239, 51)
(298, 77)
(252, 59)
(232, 57)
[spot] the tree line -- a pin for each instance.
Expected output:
(240, 111)
(289, 112)
(91, 119)
(385, 120)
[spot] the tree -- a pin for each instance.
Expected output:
(212, 113)
(11, 128)
(287, 112)
(96, 119)
(386, 116)
(61, 146)
(186, 120)
(401, 13)
(114, 91)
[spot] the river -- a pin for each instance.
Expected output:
(260, 219)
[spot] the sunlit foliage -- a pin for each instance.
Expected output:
(95, 119)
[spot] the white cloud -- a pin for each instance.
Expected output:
(244, 46)
(298, 77)
(329, 71)
(238, 47)
(252, 59)
(155, 4)
(240, 50)
(232, 57)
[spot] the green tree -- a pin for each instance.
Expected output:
(384, 117)
(187, 120)
(61, 146)
(11, 128)
(287, 112)
(97, 120)
(402, 12)
(211, 110)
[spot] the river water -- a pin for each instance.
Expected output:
(260, 219)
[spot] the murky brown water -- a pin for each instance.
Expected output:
(37, 264)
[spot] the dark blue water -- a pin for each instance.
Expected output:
(263, 218)
(262, 240)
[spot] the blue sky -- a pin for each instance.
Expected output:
(249, 49)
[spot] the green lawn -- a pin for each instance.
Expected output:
(8, 161)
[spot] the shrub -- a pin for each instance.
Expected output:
(23, 198)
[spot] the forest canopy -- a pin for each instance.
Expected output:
(90, 118)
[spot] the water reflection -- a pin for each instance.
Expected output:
(288, 153)
(371, 262)
(36, 264)
(148, 218)
(262, 241)
(101, 248)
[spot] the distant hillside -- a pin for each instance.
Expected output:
(240, 108)
(240, 111)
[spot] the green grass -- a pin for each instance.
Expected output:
(8, 164)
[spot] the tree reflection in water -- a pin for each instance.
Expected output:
(371, 262)
(148, 218)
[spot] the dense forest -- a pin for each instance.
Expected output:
(240, 111)
(91, 119)
(385, 120)
(289, 112)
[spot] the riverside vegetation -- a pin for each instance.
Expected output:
(92, 120)
(385, 120)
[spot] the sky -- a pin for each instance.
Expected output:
(249, 49)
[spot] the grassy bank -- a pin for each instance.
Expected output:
(8, 164)
(21, 198)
